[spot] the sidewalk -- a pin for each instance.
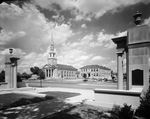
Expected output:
(42, 109)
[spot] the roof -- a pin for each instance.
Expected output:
(94, 67)
(65, 67)
(61, 67)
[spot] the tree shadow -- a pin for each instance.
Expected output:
(64, 114)
(35, 111)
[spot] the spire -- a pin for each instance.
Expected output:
(52, 42)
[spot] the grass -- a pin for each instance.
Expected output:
(9, 98)
(80, 111)
(13, 99)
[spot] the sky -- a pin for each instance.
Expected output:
(82, 30)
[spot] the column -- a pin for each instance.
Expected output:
(48, 72)
(120, 71)
(45, 73)
(51, 72)
(128, 83)
(14, 76)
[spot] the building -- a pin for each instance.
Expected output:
(54, 70)
(95, 71)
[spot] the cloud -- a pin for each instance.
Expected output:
(61, 33)
(86, 9)
(147, 21)
(74, 57)
(95, 58)
(83, 26)
(50, 4)
(26, 28)
(105, 39)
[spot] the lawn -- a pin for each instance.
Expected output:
(13, 99)
(9, 98)
(80, 111)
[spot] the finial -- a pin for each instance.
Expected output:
(10, 50)
(137, 18)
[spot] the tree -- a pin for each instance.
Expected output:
(41, 74)
(25, 75)
(35, 70)
(143, 109)
(2, 76)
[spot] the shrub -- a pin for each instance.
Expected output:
(143, 109)
(125, 112)
(19, 78)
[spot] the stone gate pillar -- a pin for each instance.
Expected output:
(11, 70)
(139, 51)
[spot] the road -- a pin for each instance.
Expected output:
(78, 85)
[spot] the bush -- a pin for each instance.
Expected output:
(19, 78)
(125, 112)
(143, 109)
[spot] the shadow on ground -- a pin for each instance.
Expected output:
(65, 114)
(35, 111)
(55, 104)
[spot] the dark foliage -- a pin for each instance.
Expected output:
(35, 70)
(26, 101)
(19, 78)
(25, 75)
(126, 112)
(41, 74)
(143, 109)
(38, 71)
(115, 112)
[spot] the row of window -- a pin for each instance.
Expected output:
(94, 70)
(68, 73)
(97, 74)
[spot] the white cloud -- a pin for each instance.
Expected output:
(61, 33)
(105, 39)
(147, 21)
(28, 29)
(83, 26)
(75, 56)
(95, 58)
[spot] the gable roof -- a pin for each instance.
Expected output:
(94, 67)
(61, 67)
(65, 67)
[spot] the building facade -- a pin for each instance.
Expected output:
(54, 70)
(95, 71)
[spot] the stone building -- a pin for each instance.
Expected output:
(54, 70)
(95, 71)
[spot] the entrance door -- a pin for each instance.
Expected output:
(84, 76)
(89, 75)
(137, 77)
